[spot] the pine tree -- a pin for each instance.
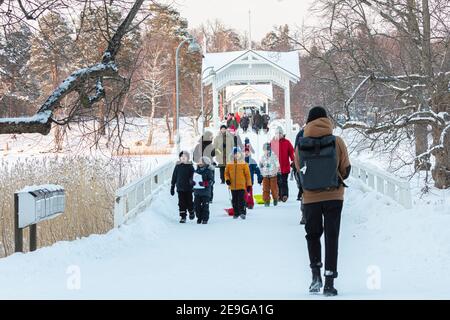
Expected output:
(51, 52)
(17, 83)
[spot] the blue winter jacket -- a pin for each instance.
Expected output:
(254, 169)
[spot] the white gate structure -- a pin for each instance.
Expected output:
(135, 196)
(385, 183)
(252, 67)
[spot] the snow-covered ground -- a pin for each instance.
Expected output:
(386, 252)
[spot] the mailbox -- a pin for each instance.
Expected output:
(39, 203)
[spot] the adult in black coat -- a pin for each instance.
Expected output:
(257, 122)
(245, 121)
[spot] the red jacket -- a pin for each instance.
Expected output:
(285, 152)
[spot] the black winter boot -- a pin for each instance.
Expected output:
(329, 289)
(316, 283)
(183, 220)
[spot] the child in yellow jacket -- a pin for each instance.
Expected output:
(237, 177)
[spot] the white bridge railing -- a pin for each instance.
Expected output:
(385, 183)
(133, 197)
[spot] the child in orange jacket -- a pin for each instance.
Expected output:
(237, 177)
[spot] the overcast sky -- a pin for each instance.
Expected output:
(234, 13)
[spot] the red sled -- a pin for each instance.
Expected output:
(230, 211)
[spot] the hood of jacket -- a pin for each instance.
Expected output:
(319, 128)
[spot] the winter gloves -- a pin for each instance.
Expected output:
(204, 183)
(260, 179)
(249, 188)
(172, 190)
(228, 182)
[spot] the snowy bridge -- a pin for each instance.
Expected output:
(151, 255)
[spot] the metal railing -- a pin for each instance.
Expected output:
(133, 197)
(385, 183)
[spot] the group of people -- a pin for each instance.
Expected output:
(249, 119)
(318, 160)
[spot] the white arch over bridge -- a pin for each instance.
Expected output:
(252, 67)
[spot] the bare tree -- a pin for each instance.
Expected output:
(86, 83)
(394, 54)
(154, 85)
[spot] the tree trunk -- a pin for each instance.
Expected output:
(421, 139)
(169, 129)
(58, 132)
(151, 122)
(441, 170)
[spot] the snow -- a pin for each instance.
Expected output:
(263, 257)
(49, 187)
(41, 117)
(289, 61)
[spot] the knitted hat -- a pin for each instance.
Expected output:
(316, 113)
(184, 152)
(279, 130)
(223, 127)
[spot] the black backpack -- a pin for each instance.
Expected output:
(318, 163)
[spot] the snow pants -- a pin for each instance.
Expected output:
(201, 204)
(238, 200)
(320, 217)
(270, 186)
(185, 203)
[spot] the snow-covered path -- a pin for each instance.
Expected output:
(263, 257)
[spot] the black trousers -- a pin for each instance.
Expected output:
(238, 200)
(320, 217)
(201, 204)
(283, 189)
(185, 203)
(222, 174)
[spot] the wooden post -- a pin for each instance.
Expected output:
(18, 232)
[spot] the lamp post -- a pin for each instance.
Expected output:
(193, 48)
(212, 73)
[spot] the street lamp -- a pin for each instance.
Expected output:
(192, 48)
(212, 73)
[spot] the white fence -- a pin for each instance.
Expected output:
(383, 182)
(133, 197)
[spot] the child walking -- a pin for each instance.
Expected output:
(237, 177)
(270, 168)
(182, 179)
(203, 182)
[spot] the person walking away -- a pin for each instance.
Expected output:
(270, 168)
(237, 175)
(323, 163)
(203, 181)
(254, 169)
(265, 122)
(284, 150)
(245, 121)
(182, 179)
(257, 122)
